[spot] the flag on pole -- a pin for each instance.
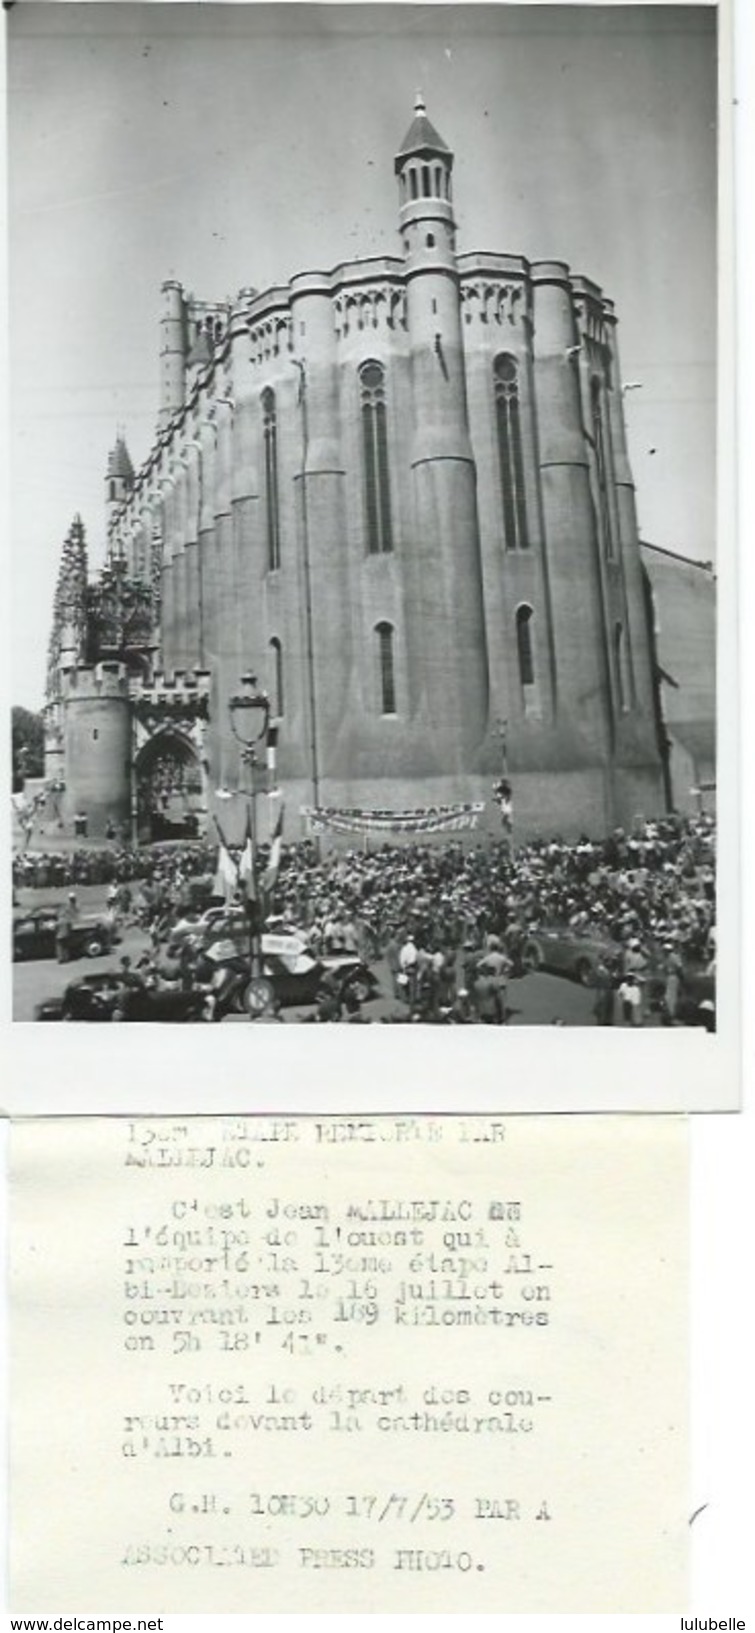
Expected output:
(226, 879)
(271, 871)
(246, 879)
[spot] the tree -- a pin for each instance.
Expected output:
(28, 746)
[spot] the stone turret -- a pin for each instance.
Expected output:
(97, 771)
(423, 166)
(447, 643)
(173, 350)
(119, 481)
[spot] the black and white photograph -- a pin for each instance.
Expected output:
(366, 526)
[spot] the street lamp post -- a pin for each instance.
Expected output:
(249, 713)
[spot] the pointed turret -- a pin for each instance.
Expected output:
(423, 165)
(119, 480)
(426, 219)
(422, 137)
(68, 635)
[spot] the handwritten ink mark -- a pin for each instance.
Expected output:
(699, 1510)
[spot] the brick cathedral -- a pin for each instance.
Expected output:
(398, 492)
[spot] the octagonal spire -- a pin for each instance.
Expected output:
(422, 138)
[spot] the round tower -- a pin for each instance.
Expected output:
(446, 637)
(97, 715)
(583, 699)
(173, 350)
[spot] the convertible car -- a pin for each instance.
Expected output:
(295, 975)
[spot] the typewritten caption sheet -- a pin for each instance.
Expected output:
(339, 1365)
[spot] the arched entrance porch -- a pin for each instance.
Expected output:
(170, 791)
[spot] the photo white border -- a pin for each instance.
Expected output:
(723, 1148)
(342, 1070)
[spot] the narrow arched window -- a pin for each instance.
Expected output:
(619, 661)
(599, 441)
(276, 653)
(413, 183)
(511, 464)
(524, 645)
(375, 440)
(272, 518)
(386, 672)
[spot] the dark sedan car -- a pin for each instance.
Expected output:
(108, 995)
(34, 936)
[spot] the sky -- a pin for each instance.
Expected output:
(233, 145)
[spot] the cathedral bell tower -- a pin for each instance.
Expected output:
(426, 219)
(448, 644)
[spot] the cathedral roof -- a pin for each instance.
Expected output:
(119, 461)
(421, 135)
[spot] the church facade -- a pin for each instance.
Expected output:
(398, 492)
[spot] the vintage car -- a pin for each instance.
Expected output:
(108, 995)
(34, 935)
(290, 976)
(566, 951)
(295, 975)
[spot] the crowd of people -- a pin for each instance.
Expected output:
(451, 921)
(455, 923)
(115, 862)
(656, 884)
